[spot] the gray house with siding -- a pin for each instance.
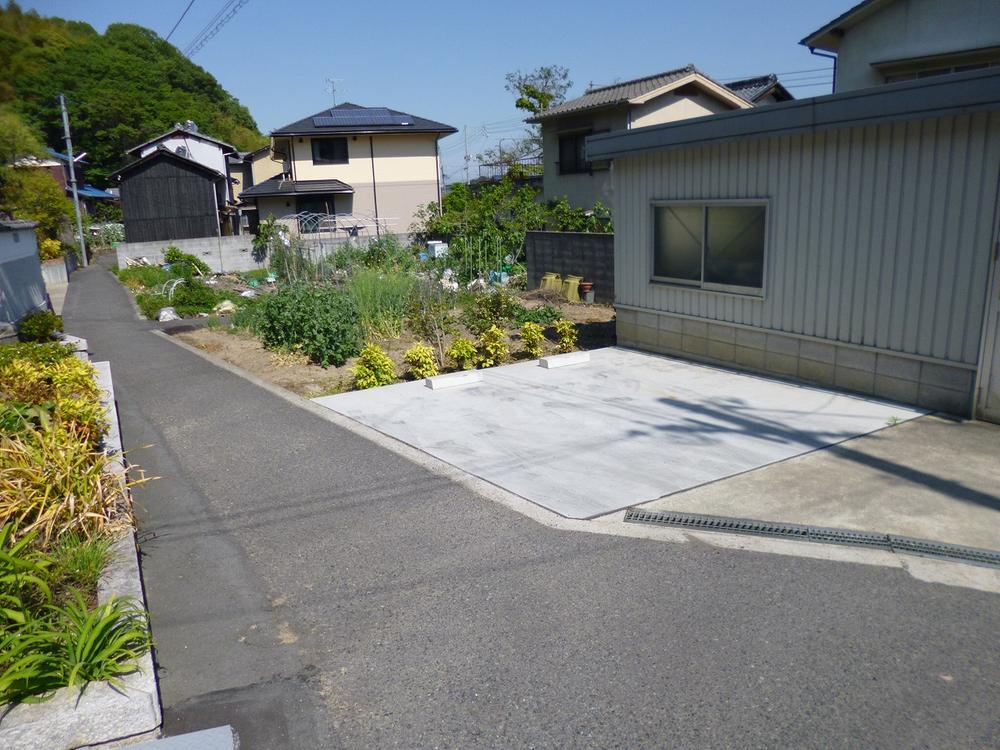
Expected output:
(848, 240)
(22, 289)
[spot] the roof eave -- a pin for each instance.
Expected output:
(447, 130)
(958, 93)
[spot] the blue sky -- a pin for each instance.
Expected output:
(447, 60)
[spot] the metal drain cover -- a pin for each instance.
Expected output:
(805, 533)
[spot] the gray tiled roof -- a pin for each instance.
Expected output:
(307, 126)
(618, 93)
(162, 152)
(14, 224)
(753, 89)
(226, 147)
(276, 186)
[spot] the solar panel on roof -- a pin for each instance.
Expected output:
(359, 117)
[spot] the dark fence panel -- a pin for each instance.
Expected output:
(591, 256)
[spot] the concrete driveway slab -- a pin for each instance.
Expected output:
(624, 428)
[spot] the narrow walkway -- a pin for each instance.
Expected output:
(315, 590)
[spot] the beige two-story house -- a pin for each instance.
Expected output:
(651, 100)
(355, 166)
(888, 41)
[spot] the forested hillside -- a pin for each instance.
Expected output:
(123, 87)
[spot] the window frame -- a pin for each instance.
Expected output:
(587, 166)
(325, 162)
(701, 284)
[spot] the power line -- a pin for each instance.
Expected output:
(225, 16)
(205, 29)
(179, 21)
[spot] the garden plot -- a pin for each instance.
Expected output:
(624, 428)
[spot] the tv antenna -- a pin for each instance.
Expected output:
(331, 88)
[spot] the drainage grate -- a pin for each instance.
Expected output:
(867, 539)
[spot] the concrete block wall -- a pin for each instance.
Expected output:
(222, 254)
(897, 377)
(591, 256)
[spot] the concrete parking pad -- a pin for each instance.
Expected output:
(625, 428)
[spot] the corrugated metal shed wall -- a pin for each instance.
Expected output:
(878, 235)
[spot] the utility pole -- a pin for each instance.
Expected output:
(72, 180)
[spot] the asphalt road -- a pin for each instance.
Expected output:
(315, 590)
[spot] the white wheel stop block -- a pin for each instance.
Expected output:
(564, 360)
(454, 379)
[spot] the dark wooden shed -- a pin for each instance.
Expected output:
(166, 196)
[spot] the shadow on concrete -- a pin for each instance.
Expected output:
(734, 416)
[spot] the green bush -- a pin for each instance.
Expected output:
(320, 320)
(532, 336)
(382, 300)
(545, 315)
(50, 249)
(388, 253)
(462, 353)
(193, 297)
(185, 264)
(497, 308)
(566, 330)
(373, 368)
(143, 277)
(420, 362)
(150, 304)
(40, 354)
(492, 347)
(39, 326)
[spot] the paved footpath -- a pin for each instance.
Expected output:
(315, 590)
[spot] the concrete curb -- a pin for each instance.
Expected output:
(102, 716)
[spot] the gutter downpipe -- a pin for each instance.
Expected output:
(829, 56)
(371, 151)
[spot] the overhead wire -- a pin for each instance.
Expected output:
(167, 39)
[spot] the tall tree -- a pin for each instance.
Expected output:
(535, 92)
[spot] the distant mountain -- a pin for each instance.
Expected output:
(123, 87)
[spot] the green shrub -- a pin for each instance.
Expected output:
(492, 349)
(193, 297)
(320, 320)
(545, 315)
(39, 326)
(150, 304)
(420, 360)
(41, 354)
(388, 253)
(185, 264)
(488, 309)
(257, 274)
(373, 368)
(462, 353)
(566, 330)
(382, 300)
(532, 336)
(143, 277)
(50, 249)
(430, 313)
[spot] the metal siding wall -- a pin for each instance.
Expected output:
(877, 235)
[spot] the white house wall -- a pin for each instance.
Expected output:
(878, 236)
(914, 28)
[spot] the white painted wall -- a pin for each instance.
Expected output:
(914, 28)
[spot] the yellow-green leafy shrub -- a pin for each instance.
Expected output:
(492, 348)
(462, 353)
(373, 368)
(420, 362)
(36, 382)
(532, 336)
(566, 330)
(50, 249)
